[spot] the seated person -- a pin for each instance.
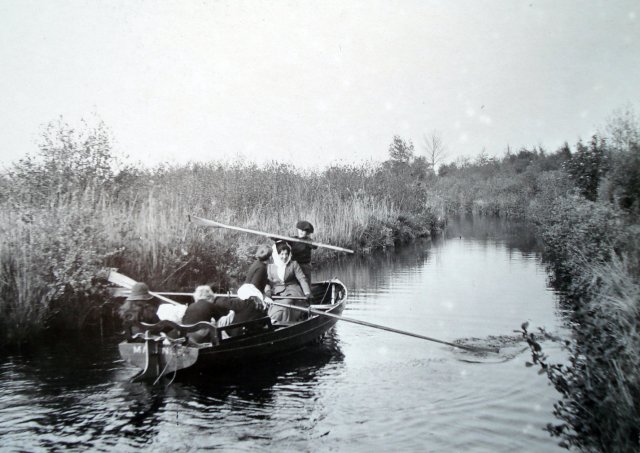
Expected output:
(221, 311)
(203, 309)
(249, 305)
(140, 306)
(285, 278)
(257, 273)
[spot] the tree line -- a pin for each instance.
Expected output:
(73, 209)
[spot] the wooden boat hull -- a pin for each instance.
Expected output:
(242, 350)
(157, 356)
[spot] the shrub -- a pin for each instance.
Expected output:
(575, 231)
(587, 166)
(600, 385)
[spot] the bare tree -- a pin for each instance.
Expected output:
(435, 148)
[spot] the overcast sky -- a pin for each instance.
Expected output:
(316, 82)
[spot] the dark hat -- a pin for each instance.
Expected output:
(263, 252)
(304, 226)
(139, 291)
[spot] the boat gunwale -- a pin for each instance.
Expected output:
(296, 336)
(278, 335)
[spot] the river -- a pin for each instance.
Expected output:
(362, 390)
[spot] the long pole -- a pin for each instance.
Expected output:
(213, 223)
(389, 329)
(128, 282)
(164, 293)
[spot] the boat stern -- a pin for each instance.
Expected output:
(156, 357)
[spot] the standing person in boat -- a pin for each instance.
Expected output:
(286, 278)
(140, 306)
(257, 273)
(300, 252)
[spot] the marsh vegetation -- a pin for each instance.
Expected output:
(73, 209)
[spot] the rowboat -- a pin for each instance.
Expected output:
(156, 354)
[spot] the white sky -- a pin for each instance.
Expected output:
(315, 82)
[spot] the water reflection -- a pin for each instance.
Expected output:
(69, 396)
(517, 236)
(360, 390)
(370, 271)
(139, 416)
(255, 382)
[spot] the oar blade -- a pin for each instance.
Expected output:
(120, 279)
(126, 282)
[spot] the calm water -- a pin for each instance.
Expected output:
(362, 390)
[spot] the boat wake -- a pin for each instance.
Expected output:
(507, 348)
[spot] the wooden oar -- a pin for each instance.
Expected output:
(212, 223)
(127, 282)
(389, 329)
(125, 292)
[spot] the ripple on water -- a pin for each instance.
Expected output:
(362, 390)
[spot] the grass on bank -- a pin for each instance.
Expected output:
(67, 213)
(59, 226)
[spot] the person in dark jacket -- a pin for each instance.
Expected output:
(249, 305)
(222, 310)
(301, 252)
(257, 273)
(204, 309)
(140, 306)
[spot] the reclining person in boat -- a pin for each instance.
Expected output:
(249, 305)
(140, 306)
(285, 278)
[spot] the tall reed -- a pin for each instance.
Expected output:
(137, 221)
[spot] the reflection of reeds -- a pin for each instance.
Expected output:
(363, 272)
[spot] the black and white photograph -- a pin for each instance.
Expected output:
(320, 226)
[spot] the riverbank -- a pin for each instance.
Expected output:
(67, 214)
(357, 388)
(593, 255)
(586, 203)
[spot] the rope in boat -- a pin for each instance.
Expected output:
(174, 345)
(161, 375)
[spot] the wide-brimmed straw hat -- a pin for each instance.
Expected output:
(139, 291)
